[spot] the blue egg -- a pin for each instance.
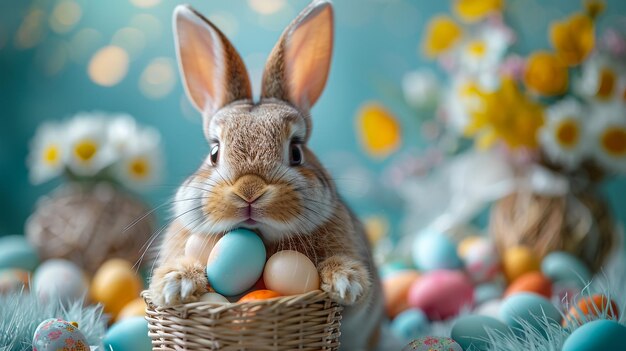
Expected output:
(487, 291)
(433, 250)
(409, 324)
(530, 308)
(16, 252)
(472, 330)
(236, 262)
(563, 267)
(391, 268)
(56, 334)
(129, 334)
(602, 334)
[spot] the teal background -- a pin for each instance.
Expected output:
(376, 43)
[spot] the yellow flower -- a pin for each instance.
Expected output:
(594, 7)
(506, 115)
(441, 35)
(380, 132)
(475, 10)
(573, 39)
(545, 74)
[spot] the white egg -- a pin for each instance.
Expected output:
(60, 279)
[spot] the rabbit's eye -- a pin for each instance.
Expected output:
(295, 154)
(215, 154)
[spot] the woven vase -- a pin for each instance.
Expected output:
(580, 224)
(89, 225)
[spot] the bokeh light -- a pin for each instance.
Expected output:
(52, 57)
(149, 25)
(277, 21)
(130, 39)
(266, 7)
(145, 3)
(108, 66)
(158, 78)
(84, 43)
(226, 22)
(65, 16)
(31, 30)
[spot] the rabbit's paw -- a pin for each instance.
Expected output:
(346, 280)
(178, 282)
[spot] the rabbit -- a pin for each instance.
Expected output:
(260, 174)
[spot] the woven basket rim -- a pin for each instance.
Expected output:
(216, 307)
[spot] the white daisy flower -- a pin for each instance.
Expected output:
(421, 88)
(608, 128)
(88, 151)
(564, 136)
(122, 129)
(141, 161)
(460, 101)
(603, 80)
(47, 153)
(481, 55)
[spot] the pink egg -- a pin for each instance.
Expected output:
(441, 294)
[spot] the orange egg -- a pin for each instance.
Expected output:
(396, 289)
(592, 306)
(534, 282)
(259, 295)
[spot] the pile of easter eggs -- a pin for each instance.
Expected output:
(115, 285)
(238, 269)
(506, 293)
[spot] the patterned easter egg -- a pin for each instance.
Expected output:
(56, 334)
(481, 260)
(433, 343)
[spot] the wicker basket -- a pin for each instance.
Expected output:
(89, 225)
(580, 224)
(302, 322)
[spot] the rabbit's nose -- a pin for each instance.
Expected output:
(250, 187)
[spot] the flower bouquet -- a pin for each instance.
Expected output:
(552, 124)
(93, 216)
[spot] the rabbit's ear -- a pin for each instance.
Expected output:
(298, 65)
(213, 72)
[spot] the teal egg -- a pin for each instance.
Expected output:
(563, 267)
(433, 250)
(129, 334)
(531, 308)
(391, 268)
(236, 262)
(487, 291)
(56, 334)
(409, 324)
(602, 334)
(472, 330)
(16, 252)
